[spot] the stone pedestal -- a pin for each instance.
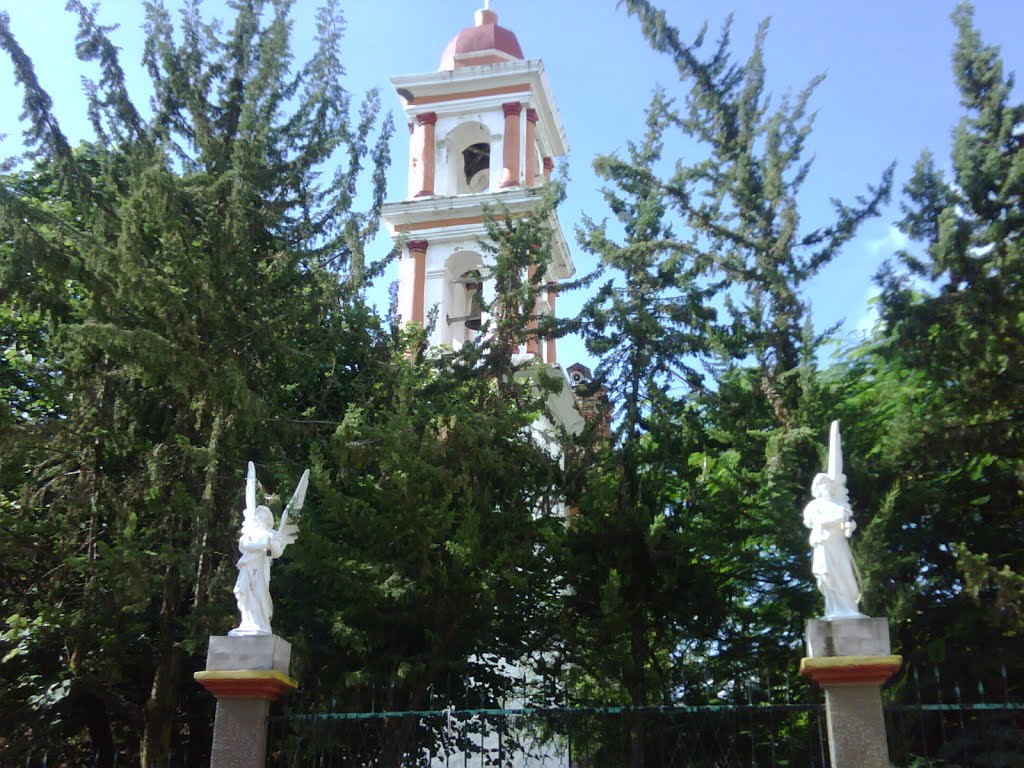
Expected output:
(245, 674)
(851, 659)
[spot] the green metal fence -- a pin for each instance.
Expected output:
(581, 737)
(937, 722)
(929, 723)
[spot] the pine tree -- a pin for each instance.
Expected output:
(642, 581)
(740, 201)
(738, 205)
(425, 577)
(949, 552)
(185, 269)
(707, 351)
(423, 565)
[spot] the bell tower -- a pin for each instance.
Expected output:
(483, 131)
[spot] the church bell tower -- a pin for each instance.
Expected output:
(483, 131)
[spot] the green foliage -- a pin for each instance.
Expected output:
(183, 293)
(425, 577)
(641, 581)
(651, 324)
(744, 255)
(177, 309)
(422, 563)
(738, 203)
(947, 371)
(686, 549)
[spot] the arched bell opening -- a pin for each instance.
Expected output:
(469, 150)
(476, 166)
(464, 297)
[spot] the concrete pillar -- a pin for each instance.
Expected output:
(549, 356)
(240, 733)
(418, 256)
(531, 147)
(510, 144)
(245, 674)
(851, 659)
(425, 144)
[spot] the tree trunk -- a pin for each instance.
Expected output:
(163, 696)
(396, 739)
(97, 721)
(639, 652)
(200, 732)
(398, 736)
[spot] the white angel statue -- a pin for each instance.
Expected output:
(260, 545)
(830, 519)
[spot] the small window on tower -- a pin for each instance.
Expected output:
(476, 163)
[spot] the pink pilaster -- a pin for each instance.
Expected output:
(424, 140)
(510, 155)
(418, 255)
(531, 148)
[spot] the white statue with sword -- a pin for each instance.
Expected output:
(830, 519)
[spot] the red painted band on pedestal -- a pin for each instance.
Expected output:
(246, 683)
(850, 670)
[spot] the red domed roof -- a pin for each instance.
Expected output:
(492, 42)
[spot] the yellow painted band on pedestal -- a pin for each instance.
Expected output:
(830, 662)
(246, 674)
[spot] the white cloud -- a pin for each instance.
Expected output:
(869, 317)
(893, 240)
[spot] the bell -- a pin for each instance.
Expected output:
(474, 319)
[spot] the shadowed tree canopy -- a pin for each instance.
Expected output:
(178, 288)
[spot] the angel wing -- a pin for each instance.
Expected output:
(287, 530)
(249, 513)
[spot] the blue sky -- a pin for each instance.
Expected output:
(888, 92)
